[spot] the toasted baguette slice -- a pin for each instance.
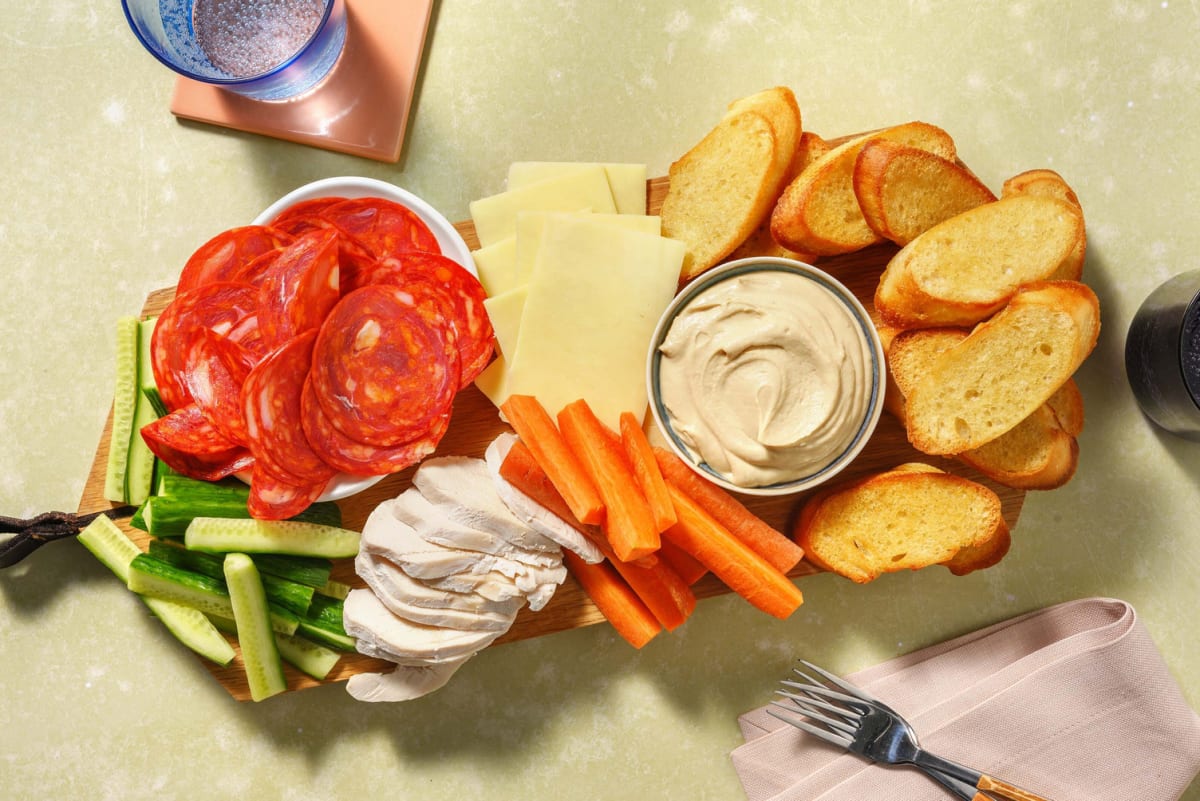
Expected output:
(721, 190)
(818, 211)
(778, 104)
(1067, 405)
(903, 519)
(965, 269)
(995, 378)
(1037, 454)
(1051, 184)
(810, 148)
(904, 191)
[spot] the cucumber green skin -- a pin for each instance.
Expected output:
(302, 653)
(261, 536)
(319, 633)
(264, 670)
(323, 623)
(168, 515)
(159, 579)
(287, 594)
(124, 405)
(139, 471)
(116, 551)
(308, 571)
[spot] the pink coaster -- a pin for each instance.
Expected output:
(362, 106)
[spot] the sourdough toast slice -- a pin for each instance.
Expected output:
(965, 269)
(1006, 368)
(1036, 454)
(1049, 183)
(818, 211)
(903, 519)
(904, 191)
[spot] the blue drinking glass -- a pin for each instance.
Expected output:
(263, 49)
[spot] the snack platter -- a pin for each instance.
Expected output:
(475, 423)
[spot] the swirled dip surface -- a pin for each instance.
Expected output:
(766, 376)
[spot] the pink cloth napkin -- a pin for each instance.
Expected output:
(1072, 702)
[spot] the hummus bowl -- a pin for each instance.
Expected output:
(766, 376)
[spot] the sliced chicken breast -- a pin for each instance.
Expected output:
(404, 683)
(380, 633)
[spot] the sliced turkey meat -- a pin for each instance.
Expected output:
(388, 536)
(394, 582)
(380, 633)
(404, 683)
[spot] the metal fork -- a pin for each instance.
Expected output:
(864, 725)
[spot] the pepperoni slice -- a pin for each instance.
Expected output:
(381, 371)
(305, 215)
(221, 257)
(190, 445)
(224, 307)
(270, 403)
(383, 226)
(272, 499)
(300, 288)
(464, 297)
(216, 369)
(358, 458)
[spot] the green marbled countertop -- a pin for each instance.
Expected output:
(106, 194)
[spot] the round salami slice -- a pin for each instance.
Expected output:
(300, 287)
(189, 445)
(224, 307)
(220, 258)
(383, 226)
(272, 499)
(464, 297)
(381, 370)
(358, 458)
(254, 271)
(216, 369)
(270, 403)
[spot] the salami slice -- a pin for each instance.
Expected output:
(221, 257)
(305, 215)
(300, 288)
(272, 499)
(358, 458)
(216, 369)
(381, 371)
(383, 226)
(463, 300)
(224, 307)
(270, 403)
(254, 271)
(189, 445)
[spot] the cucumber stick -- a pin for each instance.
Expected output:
(124, 407)
(146, 384)
(324, 624)
(288, 594)
(116, 551)
(264, 670)
(168, 515)
(159, 579)
(139, 471)
(303, 654)
(263, 536)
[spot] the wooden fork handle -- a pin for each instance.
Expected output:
(1005, 790)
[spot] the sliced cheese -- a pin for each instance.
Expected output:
(627, 181)
(504, 310)
(594, 298)
(497, 266)
(495, 217)
(493, 381)
(531, 225)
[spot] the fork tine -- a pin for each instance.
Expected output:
(811, 712)
(816, 688)
(840, 682)
(791, 720)
(850, 717)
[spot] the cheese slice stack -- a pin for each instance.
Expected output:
(575, 288)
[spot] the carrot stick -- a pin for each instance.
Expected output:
(768, 543)
(646, 471)
(628, 523)
(536, 428)
(681, 562)
(520, 469)
(664, 592)
(615, 600)
(742, 570)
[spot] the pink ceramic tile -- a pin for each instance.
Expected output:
(361, 108)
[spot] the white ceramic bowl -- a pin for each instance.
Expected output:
(863, 328)
(344, 485)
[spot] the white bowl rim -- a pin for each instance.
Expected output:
(343, 485)
(866, 328)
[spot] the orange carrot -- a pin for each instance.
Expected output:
(536, 428)
(742, 570)
(628, 522)
(646, 471)
(768, 543)
(681, 562)
(615, 600)
(520, 469)
(662, 590)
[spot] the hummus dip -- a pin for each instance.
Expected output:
(767, 377)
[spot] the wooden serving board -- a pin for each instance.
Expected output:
(475, 423)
